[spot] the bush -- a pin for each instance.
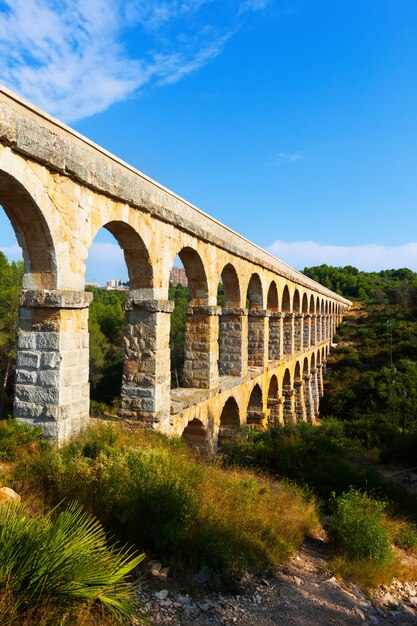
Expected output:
(62, 559)
(357, 529)
(151, 491)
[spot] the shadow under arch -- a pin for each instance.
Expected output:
(229, 421)
(32, 233)
(195, 436)
(255, 415)
(274, 403)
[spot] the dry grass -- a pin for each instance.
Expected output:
(150, 490)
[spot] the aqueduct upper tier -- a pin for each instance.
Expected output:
(257, 359)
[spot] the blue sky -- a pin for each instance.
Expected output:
(291, 121)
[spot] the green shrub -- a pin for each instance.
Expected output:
(61, 558)
(405, 536)
(14, 436)
(357, 529)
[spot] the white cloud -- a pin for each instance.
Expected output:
(370, 257)
(71, 57)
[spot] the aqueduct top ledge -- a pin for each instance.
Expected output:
(38, 136)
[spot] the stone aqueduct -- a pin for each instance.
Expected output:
(257, 360)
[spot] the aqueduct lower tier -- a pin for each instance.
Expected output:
(258, 359)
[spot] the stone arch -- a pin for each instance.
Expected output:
(297, 372)
(257, 338)
(275, 335)
(306, 369)
(229, 421)
(313, 362)
(296, 302)
(272, 299)
(286, 300)
(195, 436)
(196, 274)
(288, 398)
(312, 307)
(299, 398)
(255, 415)
(286, 381)
(231, 286)
(304, 305)
(32, 232)
(255, 294)
(274, 403)
(136, 255)
(200, 369)
(231, 326)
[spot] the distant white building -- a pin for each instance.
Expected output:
(116, 285)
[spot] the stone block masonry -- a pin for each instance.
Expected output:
(52, 388)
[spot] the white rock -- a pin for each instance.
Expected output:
(359, 612)
(161, 595)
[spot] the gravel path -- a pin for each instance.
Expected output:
(303, 593)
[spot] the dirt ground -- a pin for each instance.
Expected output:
(303, 593)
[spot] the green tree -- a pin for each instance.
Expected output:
(11, 275)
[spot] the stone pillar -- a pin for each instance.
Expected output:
(298, 332)
(325, 327)
(257, 420)
(201, 347)
(276, 412)
(233, 345)
(258, 338)
(300, 407)
(320, 385)
(309, 399)
(313, 329)
(288, 322)
(307, 331)
(289, 406)
(146, 369)
(333, 323)
(275, 337)
(52, 388)
(319, 327)
(315, 391)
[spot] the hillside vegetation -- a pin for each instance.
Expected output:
(251, 508)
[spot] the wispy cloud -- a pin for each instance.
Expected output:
(253, 5)
(371, 257)
(287, 157)
(75, 58)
